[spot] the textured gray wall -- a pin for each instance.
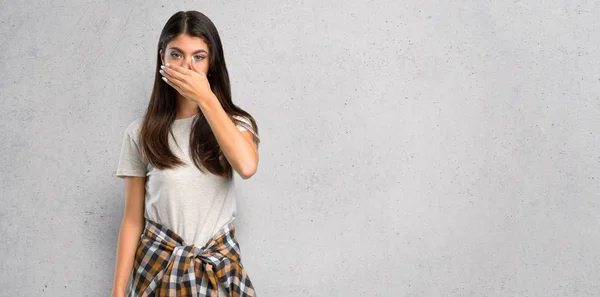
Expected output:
(409, 148)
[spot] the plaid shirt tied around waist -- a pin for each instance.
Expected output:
(165, 266)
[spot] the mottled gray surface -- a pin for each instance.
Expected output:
(409, 148)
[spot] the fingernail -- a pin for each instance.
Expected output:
(167, 64)
(162, 66)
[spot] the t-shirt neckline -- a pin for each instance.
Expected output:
(186, 119)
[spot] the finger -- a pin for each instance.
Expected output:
(170, 83)
(176, 69)
(169, 75)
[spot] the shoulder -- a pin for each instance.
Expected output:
(243, 119)
(134, 126)
(245, 124)
(132, 131)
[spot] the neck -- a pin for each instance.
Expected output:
(185, 107)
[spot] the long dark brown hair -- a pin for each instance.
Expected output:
(162, 108)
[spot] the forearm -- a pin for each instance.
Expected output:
(241, 153)
(129, 236)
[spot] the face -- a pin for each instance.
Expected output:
(181, 50)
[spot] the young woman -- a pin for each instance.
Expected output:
(177, 234)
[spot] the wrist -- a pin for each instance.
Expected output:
(208, 102)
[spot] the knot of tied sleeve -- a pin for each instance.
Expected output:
(166, 266)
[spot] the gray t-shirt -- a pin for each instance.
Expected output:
(192, 203)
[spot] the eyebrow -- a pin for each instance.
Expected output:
(198, 51)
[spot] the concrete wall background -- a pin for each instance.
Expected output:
(409, 148)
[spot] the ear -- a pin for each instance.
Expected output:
(162, 56)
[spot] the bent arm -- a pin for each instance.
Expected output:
(237, 146)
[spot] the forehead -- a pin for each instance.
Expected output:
(188, 43)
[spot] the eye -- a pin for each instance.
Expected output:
(174, 54)
(199, 58)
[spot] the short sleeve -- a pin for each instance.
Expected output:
(130, 159)
(246, 127)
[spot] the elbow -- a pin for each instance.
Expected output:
(248, 168)
(247, 172)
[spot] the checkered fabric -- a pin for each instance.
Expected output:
(165, 266)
